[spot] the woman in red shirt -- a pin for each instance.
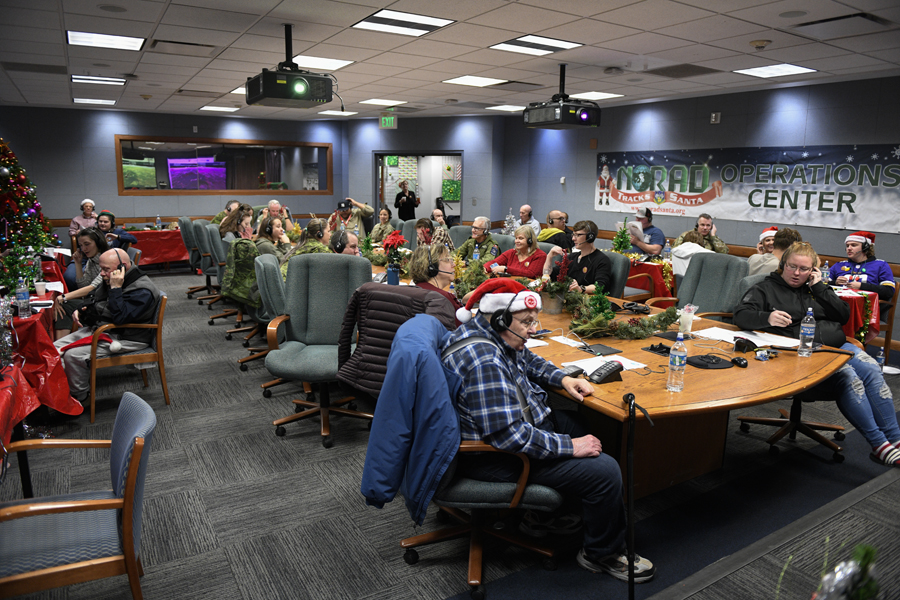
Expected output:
(525, 260)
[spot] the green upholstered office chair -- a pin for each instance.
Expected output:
(135, 255)
(409, 234)
(219, 254)
(317, 291)
(712, 282)
(85, 535)
(195, 259)
(546, 247)
(207, 263)
(505, 242)
(620, 266)
(459, 234)
(396, 223)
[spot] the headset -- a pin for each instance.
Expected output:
(865, 246)
(529, 240)
(502, 319)
(590, 237)
(434, 266)
(338, 243)
(320, 233)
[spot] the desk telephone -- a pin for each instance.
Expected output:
(610, 371)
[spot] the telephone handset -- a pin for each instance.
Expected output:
(609, 371)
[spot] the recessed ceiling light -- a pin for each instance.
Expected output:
(793, 14)
(241, 90)
(595, 96)
(392, 21)
(97, 80)
(100, 40)
(219, 108)
(112, 8)
(337, 113)
(475, 81)
(93, 101)
(535, 45)
(381, 102)
(322, 64)
(506, 108)
(775, 71)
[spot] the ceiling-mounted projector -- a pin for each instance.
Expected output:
(561, 115)
(289, 89)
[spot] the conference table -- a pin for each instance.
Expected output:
(160, 247)
(690, 427)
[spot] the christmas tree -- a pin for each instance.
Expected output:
(22, 224)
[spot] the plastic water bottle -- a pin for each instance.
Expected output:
(667, 251)
(158, 222)
(826, 273)
(677, 364)
(22, 299)
(807, 334)
(477, 254)
(879, 358)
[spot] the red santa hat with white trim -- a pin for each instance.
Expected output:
(497, 294)
(861, 236)
(768, 232)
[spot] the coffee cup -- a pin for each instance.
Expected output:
(40, 287)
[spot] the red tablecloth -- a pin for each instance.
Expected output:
(17, 401)
(160, 246)
(655, 270)
(43, 368)
(857, 304)
(52, 272)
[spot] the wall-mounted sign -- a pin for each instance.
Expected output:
(387, 121)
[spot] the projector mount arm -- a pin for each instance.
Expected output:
(290, 66)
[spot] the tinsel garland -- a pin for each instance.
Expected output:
(861, 334)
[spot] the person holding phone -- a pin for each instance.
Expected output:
(778, 304)
(707, 230)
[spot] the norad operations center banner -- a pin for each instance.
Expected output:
(842, 187)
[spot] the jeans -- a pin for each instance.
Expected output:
(597, 481)
(864, 398)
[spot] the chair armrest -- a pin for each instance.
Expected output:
(855, 342)
(35, 509)
(472, 446)
(652, 289)
(24, 445)
(714, 314)
(272, 330)
(655, 301)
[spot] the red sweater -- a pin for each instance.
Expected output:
(532, 267)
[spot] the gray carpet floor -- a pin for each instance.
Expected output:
(233, 511)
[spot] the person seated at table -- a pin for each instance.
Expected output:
(524, 260)
(82, 277)
(274, 209)
(314, 240)
(438, 216)
(589, 268)
(87, 218)
(271, 238)
(384, 227)
(763, 261)
(556, 232)
(238, 222)
(781, 241)
(481, 242)
(861, 270)
(431, 268)
(562, 454)
(349, 216)
(707, 230)
(229, 206)
(116, 236)
(652, 239)
(778, 304)
(526, 217)
(344, 242)
(691, 244)
(427, 234)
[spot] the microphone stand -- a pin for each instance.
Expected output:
(629, 476)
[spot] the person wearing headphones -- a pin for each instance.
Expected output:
(384, 227)
(861, 270)
(556, 232)
(314, 240)
(652, 239)
(229, 206)
(781, 241)
(778, 304)
(344, 242)
(427, 234)
(707, 229)
(526, 259)
(431, 268)
(438, 215)
(349, 216)
(480, 246)
(589, 268)
(502, 402)
(116, 236)
(526, 217)
(87, 218)
(271, 238)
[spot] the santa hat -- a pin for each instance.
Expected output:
(768, 232)
(861, 236)
(87, 201)
(497, 294)
(114, 345)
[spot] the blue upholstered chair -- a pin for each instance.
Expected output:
(506, 242)
(409, 234)
(91, 535)
(194, 255)
(317, 291)
(619, 279)
(396, 223)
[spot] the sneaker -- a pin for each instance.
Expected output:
(617, 566)
(536, 524)
(889, 456)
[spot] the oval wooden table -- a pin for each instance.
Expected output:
(688, 438)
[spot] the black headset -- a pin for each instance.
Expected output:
(865, 246)
(270, 226)
(502, 319)
(529, 240)
(321, 232)
(339, 243)
(434, 267)
(590, 237)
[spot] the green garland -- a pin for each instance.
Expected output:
(861, 334)
(473, 276)
(593, 317)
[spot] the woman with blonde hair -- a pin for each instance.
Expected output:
(314, 240)
(431, 268)
(524, 260)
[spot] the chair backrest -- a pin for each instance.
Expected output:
(158, 319)
(620, 267)
(187, 235)
(135, 255)
(409, 233)
(712, 282)
(748, 282)
(134, 419)
(397, 224)
(506, 242)
(202, 241)
(271, 285)
(459, 234)
(546, 246)
(317, 291)
(219, 250)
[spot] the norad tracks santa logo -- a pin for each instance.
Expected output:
(683, 185)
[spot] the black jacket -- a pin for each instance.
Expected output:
(773, 293)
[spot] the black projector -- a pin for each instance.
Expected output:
(561, 115)
(288, 89)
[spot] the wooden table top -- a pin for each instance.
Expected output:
(705, 390)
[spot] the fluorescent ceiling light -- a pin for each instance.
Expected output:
(392, 21)
(97, 80)
(93, 101)
(337, 113)
(776, 71)
(322, 64)
(241, 90)
(475, 81)
(381, 102)
(506, 107)
(219, 108)
(145, 148)
(100, 40)
(535, 45)
(595, 96)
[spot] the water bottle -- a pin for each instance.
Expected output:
(356, 231)
(807, 334)
(880, 358)
(22, 299)
(158, 222)
(677, 364)
(477, 254)
(826, 274)
(667, 251)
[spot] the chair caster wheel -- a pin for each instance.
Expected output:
(298, 408)
(199, 302)
(244, 367)
(411, 556)
(209, 307)
(549, 564)
(327, 442)
(266, 393)
(351, 405)
(228, 337)
(442, 517)
(280, 431)
(477, 593)
(245, 343)
(190, 296)
(212, 322)
(745, 427)
(774, 450)
(839, 435)
(838, 457)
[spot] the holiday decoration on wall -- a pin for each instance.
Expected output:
(22, 224)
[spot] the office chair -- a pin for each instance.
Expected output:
(135, 255)
(619, 279)
(271, 292)
(712, 282)
(194, 256)
(459, 234)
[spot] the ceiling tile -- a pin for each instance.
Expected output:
(36, 48)
(472, 35)
(582, 8)
(33, 34)
(22, 17)
(141, 29)
(694, 53)
(645, 43)
(650, 15)
(517, 17)
(328, 50)
(410, 61)
(436, 49)
(868, 43)
(711, 28)
(158, 58)
(325, 12)
(190, 35)
(798, 54)
(210, 18)
(779, 39)
(376, 40)
(259, 7)
(135, 10)
(768, 14)
(588, 31)
(311, 32)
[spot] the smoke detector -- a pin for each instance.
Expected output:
(760, 44)
(612, 71)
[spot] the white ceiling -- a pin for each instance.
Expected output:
(219, 43)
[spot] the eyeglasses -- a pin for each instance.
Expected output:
(801, 270)
(563, 219)
(528, 323)
(477, 228)
(577, 234)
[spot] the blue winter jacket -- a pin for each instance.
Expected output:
(415, 432)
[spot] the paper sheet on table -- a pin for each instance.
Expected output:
(567, 341)
(757, 337)
(55, 251)
(55, 286)
(533, 343)
(592, 364)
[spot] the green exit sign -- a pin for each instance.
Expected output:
(387, 121)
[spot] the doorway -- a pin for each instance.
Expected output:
(435, 178)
